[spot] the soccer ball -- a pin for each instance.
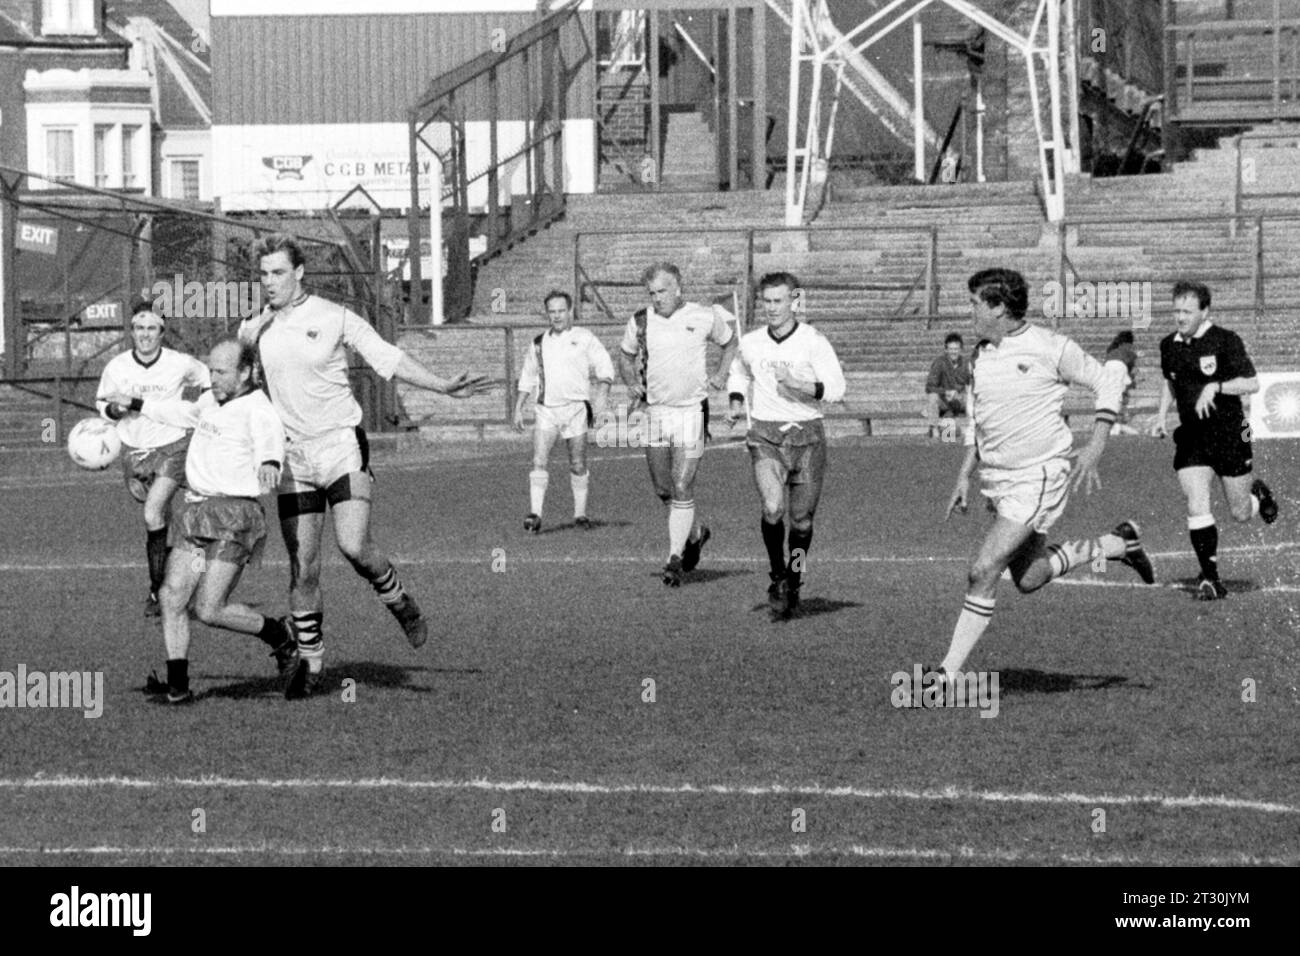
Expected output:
(93, 444)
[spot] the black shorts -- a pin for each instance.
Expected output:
(1225, 451)
(798, 452)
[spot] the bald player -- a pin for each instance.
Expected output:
(663, 362)
(234, 456)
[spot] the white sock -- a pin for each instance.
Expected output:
(579, 485)
(538, 479)
(681, 518)
(1254, 506)
(974, 618)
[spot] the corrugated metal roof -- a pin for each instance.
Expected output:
(314, 69)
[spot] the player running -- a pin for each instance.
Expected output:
(662, 360)
(1207, 370)
(301, 341)
(153, 453)
(559, 366)
(1020, 378)
(233, 457)
(785, 371)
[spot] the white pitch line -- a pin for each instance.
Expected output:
(795, 852)
(60, 781)
(1168, 586)
(518, 555)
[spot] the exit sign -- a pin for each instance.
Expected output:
(37, 238)
(102, 313)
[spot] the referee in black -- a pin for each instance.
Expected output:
(1206, 372)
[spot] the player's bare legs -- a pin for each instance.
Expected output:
(803, 496)
(672, 472)
(1242, 503)
(184, 567)
(578, 477)
(538, 479)
(212, 604)
(352, 532)
(156, 503)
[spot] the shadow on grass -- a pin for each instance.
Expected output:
(1234, 585)
(1042, 682)
(808, 607)
(597, 524)
(365, 673)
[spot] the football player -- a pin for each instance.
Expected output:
(234, 457)
(785, 371)
(153, 453)
(301, 341)
(559, 366)
(662, 360)
(1020, 377)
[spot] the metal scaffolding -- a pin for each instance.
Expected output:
(812, 42)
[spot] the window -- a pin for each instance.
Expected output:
(68, 16)
(130, 139)
(60, 153)
(101, 155)
(185, 179)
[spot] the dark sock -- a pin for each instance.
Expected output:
(155, 549)
(178, 675)
(1205, 542)
(273, 632)
(799, 542)
(774, 541)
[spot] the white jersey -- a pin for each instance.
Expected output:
(570, 360)
(165, 377)
(231, 441)
(806, 353)
(676, 347)
(305, 363)
(1018, 388)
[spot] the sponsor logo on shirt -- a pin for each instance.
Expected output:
(313, 333)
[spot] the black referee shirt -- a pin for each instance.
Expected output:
(1191, 364)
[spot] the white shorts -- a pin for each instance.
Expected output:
(569, 419)
(1035, 497)
(676, 426)
(321, 461)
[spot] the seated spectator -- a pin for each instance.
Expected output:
(945, 387)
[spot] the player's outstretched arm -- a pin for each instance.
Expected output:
(1084, 473)
(460, 386)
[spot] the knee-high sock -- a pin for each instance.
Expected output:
(974, 618)
(681, 518)
(579, 485)
(311, 642)
(389, 586)
(155, 549)
(774, 542)
(1205, 542)
(799, 542)
(538, 479)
